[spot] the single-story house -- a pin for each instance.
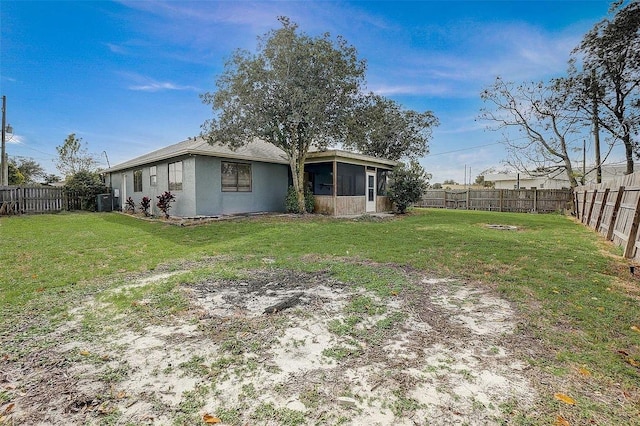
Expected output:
(525, 181)
(213, 180)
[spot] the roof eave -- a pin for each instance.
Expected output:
(351, 155)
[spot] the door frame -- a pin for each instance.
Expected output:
(370, 193)
(123, 199)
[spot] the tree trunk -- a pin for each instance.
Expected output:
(297, 171)
(300, 190)
(628, 150)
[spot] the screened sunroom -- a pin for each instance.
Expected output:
(345, 183)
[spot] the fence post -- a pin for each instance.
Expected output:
(501, 196)
(614, 214)
(444, 192)
(20, 208)
(468, 198)
(602, 206)
(535, 200)
(631, 242)
(593, 200)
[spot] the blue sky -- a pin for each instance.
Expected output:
(125, 76)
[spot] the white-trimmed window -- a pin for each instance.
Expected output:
(175, 176)
(236, 177)
(137, 181)
(153, 176)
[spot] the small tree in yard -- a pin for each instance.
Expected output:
(164, 202)
(408, 183)
(85, 185)
(73, 157)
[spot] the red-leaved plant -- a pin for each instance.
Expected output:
(145, 205)
(164, 202)
(130, 205)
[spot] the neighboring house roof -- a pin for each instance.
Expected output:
(497, 177)
(255, 151)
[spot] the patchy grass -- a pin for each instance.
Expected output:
(572, 289)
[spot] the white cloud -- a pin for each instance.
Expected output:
(156, 86)
(116, 48)
(14, 139)
(148, 84)
(425, 89)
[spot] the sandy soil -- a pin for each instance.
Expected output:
(442, 352)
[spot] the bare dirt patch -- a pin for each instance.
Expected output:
(440, 352)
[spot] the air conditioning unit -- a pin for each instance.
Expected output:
(105, 203)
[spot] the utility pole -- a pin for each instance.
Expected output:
(584, 160)
(596, 124)
(465, 175)
(4, 175)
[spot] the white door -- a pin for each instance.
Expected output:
(124, 191)
(371, 192)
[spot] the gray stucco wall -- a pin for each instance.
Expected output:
(269, 189)
(201, 193)
(185, 204)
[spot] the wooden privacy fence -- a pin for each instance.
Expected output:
(613, 210)
(502, 200)
(36, 199)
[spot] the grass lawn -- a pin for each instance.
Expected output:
(572, 291)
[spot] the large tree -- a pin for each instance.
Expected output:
(29, 168)
(15, 176)
(74, 157)
(544, 118)
(296, 92)
(382, 128)
(610, 58)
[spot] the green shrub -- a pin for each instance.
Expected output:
(408, 183)
(86, 186)
(291, 202)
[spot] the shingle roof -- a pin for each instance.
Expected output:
(254, 151)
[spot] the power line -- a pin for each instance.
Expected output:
(465, 149)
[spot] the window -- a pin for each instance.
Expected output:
(175, 176)
(320, 178)
(236, 177)
(382, 181)
(351, 179)
(153, 176)
(137, 181)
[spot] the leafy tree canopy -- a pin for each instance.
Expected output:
(382, 128)
(51, 178)
(15, 176)
(299, 92)
(73, 157)
(31, 171)
(295, 92)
